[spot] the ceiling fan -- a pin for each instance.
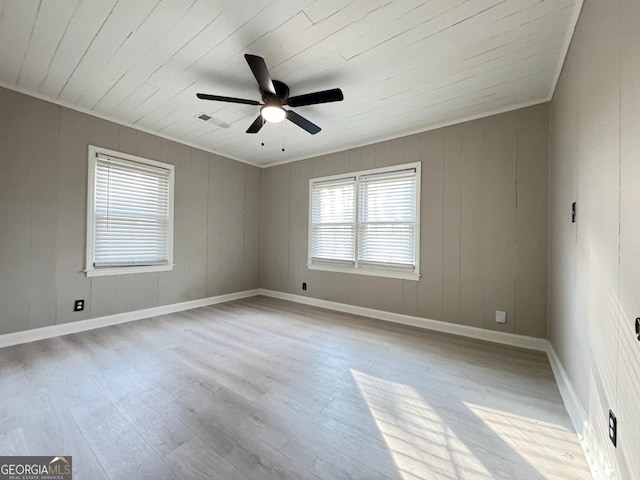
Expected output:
(275, 95)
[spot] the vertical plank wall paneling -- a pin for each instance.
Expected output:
(43, 206)
(15, 198)
(472, 220)
(429, 149)
(595, 263)
(628, 348)
(451, 221)
(532, 199)
(483, 224)
(198, 216)
(43, 196)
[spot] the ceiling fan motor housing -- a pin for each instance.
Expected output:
(282, 93)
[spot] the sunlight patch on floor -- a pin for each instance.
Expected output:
(423, 446)
(546, 445)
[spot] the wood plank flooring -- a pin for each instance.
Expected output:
(265, 389)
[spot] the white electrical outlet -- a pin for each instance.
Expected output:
(501, 317)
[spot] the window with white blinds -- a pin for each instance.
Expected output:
(130, 214)
(334, 221)
(367, 222)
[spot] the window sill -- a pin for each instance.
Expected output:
(106, 271)
(367, 271)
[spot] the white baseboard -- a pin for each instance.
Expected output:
(512, 339)
(600, 469)
(99, 322)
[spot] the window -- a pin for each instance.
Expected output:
(129, 214)
(366, 222)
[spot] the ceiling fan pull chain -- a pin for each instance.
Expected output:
(283, 136)
(262, 133)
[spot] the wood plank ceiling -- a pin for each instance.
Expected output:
(404, 65)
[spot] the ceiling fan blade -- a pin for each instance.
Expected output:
(260, 71)
(256, 125)
(218, 98)
(302, 122)
(326, 96)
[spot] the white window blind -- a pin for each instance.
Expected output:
(333, 220)
(367, 222)
(130, 219)
(386, 227)
(131, 213)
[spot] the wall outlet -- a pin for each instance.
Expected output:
(501, 317)
(78, 305)
(304, 285)
(613, 429)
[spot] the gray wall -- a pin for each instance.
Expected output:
(483, 225)
(594, 286)
(43, 196)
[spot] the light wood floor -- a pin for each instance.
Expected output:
(265, 389)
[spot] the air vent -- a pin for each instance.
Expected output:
(210, 119)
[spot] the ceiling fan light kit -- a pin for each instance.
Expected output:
(275, 95)
(273, 113)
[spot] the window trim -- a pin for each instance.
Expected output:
(357, 268)
(90, 269)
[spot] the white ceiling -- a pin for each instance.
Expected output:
(404, 66)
